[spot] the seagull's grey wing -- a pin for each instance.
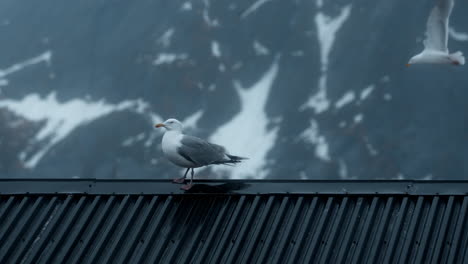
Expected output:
(437, 26)
(200, 151)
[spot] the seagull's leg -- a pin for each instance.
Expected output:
(191, 176)
(181, 180)
(188, 186)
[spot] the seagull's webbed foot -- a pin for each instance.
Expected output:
(186, 187)
(179, 180)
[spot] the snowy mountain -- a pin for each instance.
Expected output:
(305, 89)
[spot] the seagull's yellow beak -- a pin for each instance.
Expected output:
(159, 125)
(407, 65)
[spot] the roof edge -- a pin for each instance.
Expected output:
(236, 186)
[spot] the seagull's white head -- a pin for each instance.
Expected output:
(171, 124)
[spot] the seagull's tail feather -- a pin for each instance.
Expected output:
(457, 58)
(236, 159)
(232, 160)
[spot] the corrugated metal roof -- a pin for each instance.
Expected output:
(232, 228)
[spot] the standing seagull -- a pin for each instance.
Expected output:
(435, 44)
(191, 152)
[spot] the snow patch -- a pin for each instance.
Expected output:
(370, 148)
(131, 140)
(168, 58)
(428, 177)
(358, 118)
(366, 92)
(206, 16)
(44, 57)
(385, 79)
(64, 117)
(327, 28)
(260, 49)
(297, 53)
(212, 87)
(458, 36)
(253, 8)
(166, 38)
(311, 135)
(237, 65)
(222, 68)
(152, 137)
(347, 98)
(215, 50)
(342, 169)
(192, 120)
(247, 134)
(319, 101)
(302, 175)
(187, 6)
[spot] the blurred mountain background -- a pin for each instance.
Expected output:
(307, 89)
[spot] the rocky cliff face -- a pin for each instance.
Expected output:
(306, 89)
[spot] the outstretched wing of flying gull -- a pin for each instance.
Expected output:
(437, 26)
(435, 44)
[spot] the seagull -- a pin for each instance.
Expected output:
(191, 152)
(435, 44)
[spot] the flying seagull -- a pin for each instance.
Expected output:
(191, 152)
(435, 44)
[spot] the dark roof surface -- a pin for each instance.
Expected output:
(105, 221)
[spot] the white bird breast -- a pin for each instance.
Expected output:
(170, 142)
